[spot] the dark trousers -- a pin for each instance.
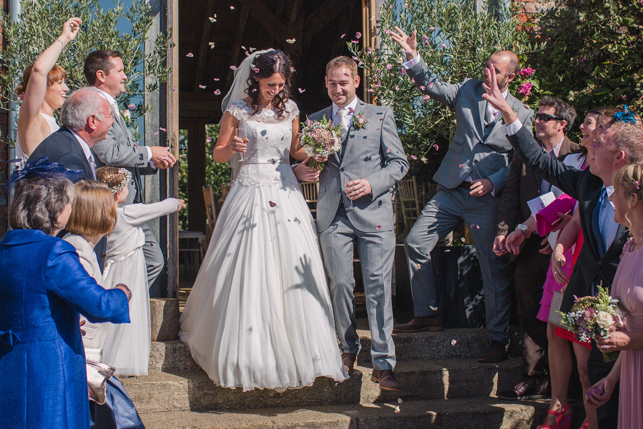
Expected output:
(597, 369)
(531, 271)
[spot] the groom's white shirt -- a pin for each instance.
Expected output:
(351, 112)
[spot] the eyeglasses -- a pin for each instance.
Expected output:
(544, 117)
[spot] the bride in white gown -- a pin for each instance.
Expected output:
(259, 314)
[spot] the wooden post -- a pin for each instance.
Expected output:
(173, 137)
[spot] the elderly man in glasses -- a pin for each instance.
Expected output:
(553, 121)
(470, 179)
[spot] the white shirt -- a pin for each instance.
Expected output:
(87, 151)
(112, 102)
(545, 186)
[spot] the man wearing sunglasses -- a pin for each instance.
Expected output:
(470, 179)
(553, 120)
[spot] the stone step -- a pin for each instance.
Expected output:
(488, 413)
(421, 379)
(174, 355)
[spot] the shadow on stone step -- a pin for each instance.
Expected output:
(204, 395)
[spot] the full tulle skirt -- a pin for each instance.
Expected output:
(259, 313)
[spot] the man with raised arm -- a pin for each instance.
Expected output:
(470, 180)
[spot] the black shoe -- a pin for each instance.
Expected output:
(523, 392)
(386, 379)
(418, 324)
(496, 352)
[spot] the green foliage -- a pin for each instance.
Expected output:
(216, 175)
(593, 52)
(454, 41)
(42, 22)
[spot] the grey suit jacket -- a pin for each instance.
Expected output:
(477, 149)
(374, 153)
(118, 150)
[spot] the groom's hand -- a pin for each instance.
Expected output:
(358, 188)
(304, 173)
(494, 96)
(409, 44)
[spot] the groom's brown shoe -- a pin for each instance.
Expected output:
(418, 324)
(386, 379)
(349, 362)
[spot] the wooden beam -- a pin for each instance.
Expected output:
(321, 17)
(204, 46)
(267, 19)
(173, 136)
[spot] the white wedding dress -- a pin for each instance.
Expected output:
(259, 313)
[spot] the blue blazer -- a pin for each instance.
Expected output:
(42, 361)
(63, 148)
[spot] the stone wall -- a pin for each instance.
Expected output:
(529, 7)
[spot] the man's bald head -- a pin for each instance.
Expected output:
(506, 64)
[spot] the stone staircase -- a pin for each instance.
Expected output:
(444, 387)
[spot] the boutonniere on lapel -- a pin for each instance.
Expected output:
(502, 120)
(359, 120)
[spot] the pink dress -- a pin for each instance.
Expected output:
(628, 288)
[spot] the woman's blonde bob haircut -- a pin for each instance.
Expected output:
(93, 212)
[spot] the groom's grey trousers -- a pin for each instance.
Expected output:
(376, 253)
(440, 216)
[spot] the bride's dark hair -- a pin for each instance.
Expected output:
(264, 66)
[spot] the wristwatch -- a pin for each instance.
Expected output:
(524, 229)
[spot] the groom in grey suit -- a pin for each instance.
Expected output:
(470, 180)
(354, 208)
(104, 70)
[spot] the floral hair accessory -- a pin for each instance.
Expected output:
(636, 185)
(625, 116)
(126, 178)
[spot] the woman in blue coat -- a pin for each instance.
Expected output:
(43, 288)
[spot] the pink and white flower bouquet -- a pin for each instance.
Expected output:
(321, 139)
(595, 316)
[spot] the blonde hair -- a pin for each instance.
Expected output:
(93, 212)
(55, 74)
(629, 138)
(629, 179)
(342, 61)
(115, 178)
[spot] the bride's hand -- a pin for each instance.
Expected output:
(239, 144)
(321, 158)
(70, 28)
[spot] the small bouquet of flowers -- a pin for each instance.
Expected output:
(593, 316)
(320, 138)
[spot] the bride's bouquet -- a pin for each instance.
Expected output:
(320, 138)
(595, 316)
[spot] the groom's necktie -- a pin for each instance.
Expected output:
(342, 119)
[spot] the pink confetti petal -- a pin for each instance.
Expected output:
(388, 150)
(217, 92)
(342, 36)
(163, 129)
(358, 35)
(190, 55)
(216, 79)
(233, 68)
(436, 147)
(132, 106)
(370, 90)
(202, 86)
(272, 204)
(256, 70)
(460, 165)
(231, 7)
(173, 88)
(301, 91)
(414, 157)
(156, 133)
(378, 227)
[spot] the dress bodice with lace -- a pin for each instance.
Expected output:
(266, 161)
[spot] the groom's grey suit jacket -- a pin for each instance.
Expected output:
(478, 148)
(374, 153)
(118, 150)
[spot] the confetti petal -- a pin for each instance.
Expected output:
(388, 150)
(256, 69)
(272, 204)
(378, 227)
(202, 86)
(291, 41)
(454, 342)
(216, 79)
(190, 55)
(414, 157)
(163, 129)
(301, 91)
(233, 68)
(211, 45)
(231, 7)
(132, 106)
(342, 36)
(217, 92)
(156, 133)
(460, 165)
(436, 147)
(397, 410)
(358, 35)
(462, 239)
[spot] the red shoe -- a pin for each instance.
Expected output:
(563, 419)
